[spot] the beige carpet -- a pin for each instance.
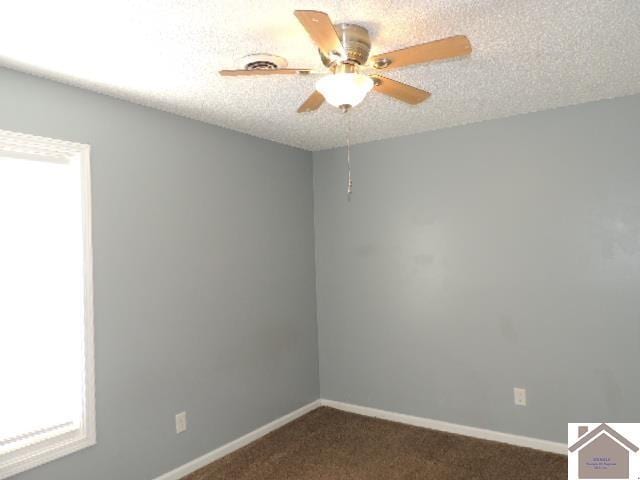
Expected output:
(329, 444)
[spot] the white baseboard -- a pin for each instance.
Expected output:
(207, 458)
(234, 445)
(520, 441)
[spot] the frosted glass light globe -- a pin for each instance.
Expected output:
(344, 88)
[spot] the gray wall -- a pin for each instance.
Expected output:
(475, 259)
(468, 261)
(204, 278)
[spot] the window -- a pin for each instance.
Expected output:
(46, 306)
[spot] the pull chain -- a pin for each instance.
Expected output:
(349, 182)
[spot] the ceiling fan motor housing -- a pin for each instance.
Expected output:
(356, 42)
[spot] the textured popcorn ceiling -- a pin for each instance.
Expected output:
(528, 55)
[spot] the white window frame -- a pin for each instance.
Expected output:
(62, 441)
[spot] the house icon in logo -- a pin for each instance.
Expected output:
(603, 453)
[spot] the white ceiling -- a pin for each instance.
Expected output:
(528, 55)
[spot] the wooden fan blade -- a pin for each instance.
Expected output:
(312, 103)
(275, 71)
(401, 91)
(427, 52)
(320, 28)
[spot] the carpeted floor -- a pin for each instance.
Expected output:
(329, 444)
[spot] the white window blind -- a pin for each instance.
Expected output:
(46, 347)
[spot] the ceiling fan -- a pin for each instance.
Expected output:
(351, 74)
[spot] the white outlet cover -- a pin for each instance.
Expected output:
(520, 396)
(181, 422)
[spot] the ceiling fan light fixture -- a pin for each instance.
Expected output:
(344, 50)
(342, 89)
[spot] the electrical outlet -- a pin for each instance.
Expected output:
(181, 422)
(520, 396)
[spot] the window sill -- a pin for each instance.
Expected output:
(44, 452)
